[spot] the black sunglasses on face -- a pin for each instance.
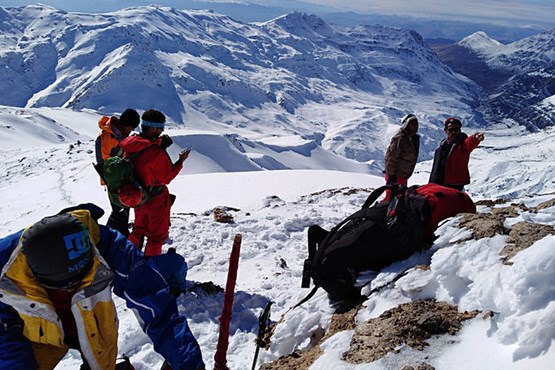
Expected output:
(453, 129)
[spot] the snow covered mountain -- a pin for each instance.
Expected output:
(519, 77)
(203, 68)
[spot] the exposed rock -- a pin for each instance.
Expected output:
(546, 204)
(343, 321)
(486, 225)
(298, 360)
(482, 225)
(510, 211)
(490, 202)
(410, 324)
(421, 366)
(522, 236)
(221, 214)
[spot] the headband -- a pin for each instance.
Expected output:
(152, 124)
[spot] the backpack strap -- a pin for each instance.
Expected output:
(131, 159)
(136, 154)
(396, 278)
(394, 188)
(315, 236)
(305, 299)
(376, 289)
(374, 195)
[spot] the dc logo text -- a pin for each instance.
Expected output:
(77, 244)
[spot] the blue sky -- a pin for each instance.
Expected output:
(505, 12)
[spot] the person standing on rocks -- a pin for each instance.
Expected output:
(402, 153)
(450, 166)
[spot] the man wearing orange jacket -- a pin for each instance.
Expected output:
(156, 170)
(113, 130)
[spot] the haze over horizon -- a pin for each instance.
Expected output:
(518, 13)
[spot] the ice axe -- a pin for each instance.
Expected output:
(263, 324)
(220, 360)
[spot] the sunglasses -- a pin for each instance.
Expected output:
(453, 129)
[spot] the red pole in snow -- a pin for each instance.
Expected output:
(220, 361)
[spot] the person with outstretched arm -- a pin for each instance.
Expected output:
(155, 169)
(450, 166)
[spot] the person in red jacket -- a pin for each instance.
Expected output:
(450, 166)
(155, 169)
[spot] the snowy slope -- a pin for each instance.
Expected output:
(274, 209)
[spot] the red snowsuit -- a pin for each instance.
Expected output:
(155, 168)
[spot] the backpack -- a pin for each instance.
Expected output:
(369, 239)
(444, 202)
(377, 235)
(125, 189)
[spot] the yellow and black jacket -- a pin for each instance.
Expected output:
(31, 333)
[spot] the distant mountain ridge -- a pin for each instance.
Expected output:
(344, 89)
(291, 75)
(519, 77)
(430, 29)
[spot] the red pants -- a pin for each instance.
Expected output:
(400, 181)
(152, 221)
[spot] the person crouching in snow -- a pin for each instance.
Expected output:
(55, 294)
(156, 170)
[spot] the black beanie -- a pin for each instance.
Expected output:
(453, 121)
(130, 118)
(58, 250)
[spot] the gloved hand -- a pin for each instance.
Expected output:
(173, 268)
(391, 179)
(165, 141)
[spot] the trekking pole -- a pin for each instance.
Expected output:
(263, 323)
(220, 360)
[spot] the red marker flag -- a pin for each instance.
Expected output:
(220, 360)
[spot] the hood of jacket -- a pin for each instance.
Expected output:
(136, 143)
(107, 124)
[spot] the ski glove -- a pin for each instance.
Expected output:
(165, 141)
(173, 268)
